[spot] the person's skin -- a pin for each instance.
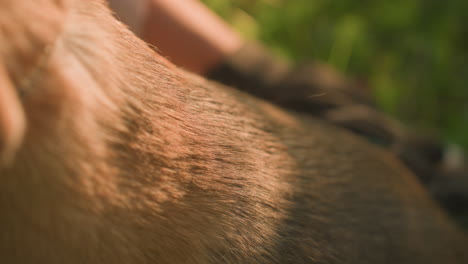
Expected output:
(184, 31)
(12, 120)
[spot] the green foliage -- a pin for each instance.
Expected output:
(413, 53)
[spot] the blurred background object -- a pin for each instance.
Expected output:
(413, 54)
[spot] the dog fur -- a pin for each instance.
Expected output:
(128, 159)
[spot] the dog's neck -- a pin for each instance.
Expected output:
(119, 138)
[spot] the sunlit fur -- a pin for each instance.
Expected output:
(129, 160)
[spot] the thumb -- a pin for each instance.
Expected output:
(12, 119)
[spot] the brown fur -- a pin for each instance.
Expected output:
(127, 159)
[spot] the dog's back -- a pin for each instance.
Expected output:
(127, 159)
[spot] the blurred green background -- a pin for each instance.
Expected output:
(412, 53)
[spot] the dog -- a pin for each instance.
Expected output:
(110, 154)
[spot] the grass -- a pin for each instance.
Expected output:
(412, 53)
